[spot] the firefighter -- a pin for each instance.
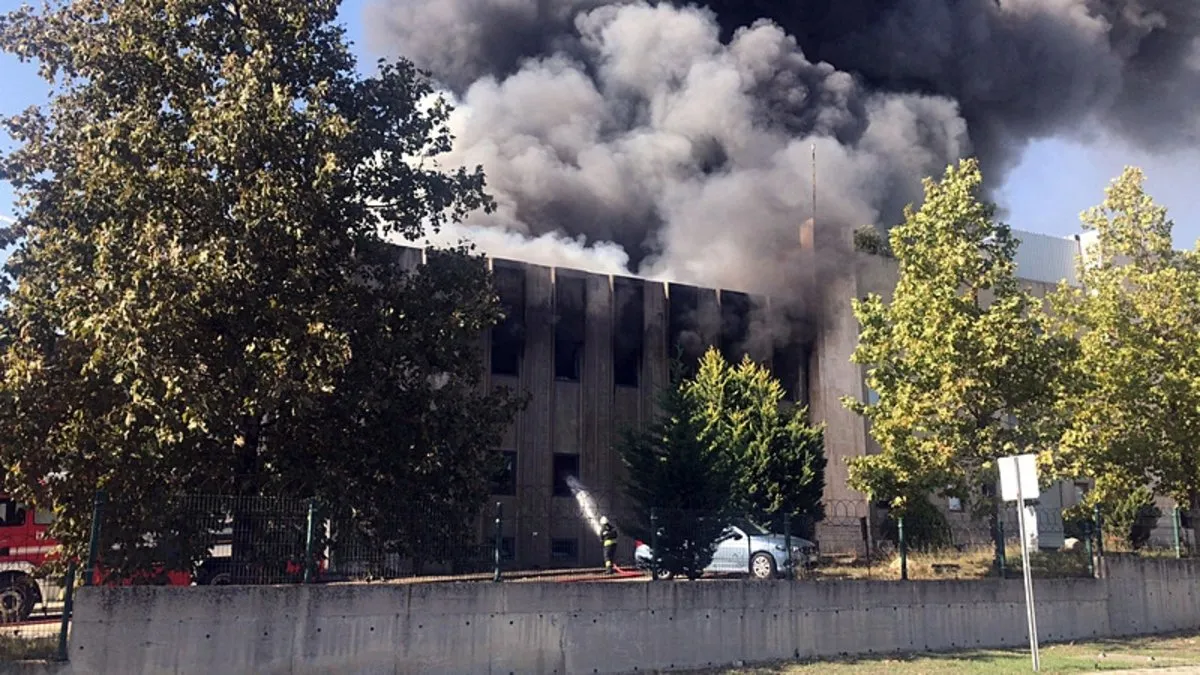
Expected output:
(608, 537)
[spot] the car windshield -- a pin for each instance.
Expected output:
(748, 527)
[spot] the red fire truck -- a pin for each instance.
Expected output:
(25, 546)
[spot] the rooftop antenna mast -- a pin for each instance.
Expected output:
(812, 223)
(814, 184)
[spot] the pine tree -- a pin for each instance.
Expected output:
(678, 484)
(777, 457)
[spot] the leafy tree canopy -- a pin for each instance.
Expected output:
(201, 300)
(959, 356)
(1133, 404)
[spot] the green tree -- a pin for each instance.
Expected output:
(1133, 400)
(681, 481)
(202, 301)
(959, 357)
(777, 457)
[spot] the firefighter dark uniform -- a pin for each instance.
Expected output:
(608, 537)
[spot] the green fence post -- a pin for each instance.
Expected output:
(498, 544)
(68, 606)
(1001, 548)
(787, 545)
(94, 541)
(1087, 548)
(653, 544)
(310, 540)
(1175, 525)
(903, 549)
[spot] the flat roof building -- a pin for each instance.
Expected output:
(593, 352)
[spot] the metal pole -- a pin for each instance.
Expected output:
(787, 544)
(1175, 524)
(903, 549)
(1099, 541)
(653, 544)
(1087, 547)
(1030, 611)
(310, 540)
(68, 608)
(499, 543)
(94, 540)
(1001, 545)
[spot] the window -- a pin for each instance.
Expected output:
(43, 517)
(629, 331)
(564, 550)
(11, 514)
(570, 327)
(565, 466)
(735, 326)
(1081, 490)
(683, 326)
(508, 336)
(785, 367)
(504, 481)
(568, 360)
(954, 504)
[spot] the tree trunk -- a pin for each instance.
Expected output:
(244, 536)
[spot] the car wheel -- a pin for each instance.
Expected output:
(16, 599)
(663, 574)
(762, 566)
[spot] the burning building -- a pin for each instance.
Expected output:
(647, 155)
(593, 351)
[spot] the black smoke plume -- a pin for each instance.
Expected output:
(684, 134)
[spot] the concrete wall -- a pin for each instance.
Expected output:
(555, 628)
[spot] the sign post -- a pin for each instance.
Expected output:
(1018, 481)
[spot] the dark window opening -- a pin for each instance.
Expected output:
(684, 340)
(565, 466)
(508, 336)
(629, 332)
(570, 327)
(735, 326)
(568, 361)
(12, 514)
(785, 367)
(504, 480)
(564, 550)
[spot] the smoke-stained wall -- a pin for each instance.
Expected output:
(593, 351)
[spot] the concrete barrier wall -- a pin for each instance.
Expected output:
(554, 628)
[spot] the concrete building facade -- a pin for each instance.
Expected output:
(593, 352)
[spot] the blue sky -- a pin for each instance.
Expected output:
(1056, 180)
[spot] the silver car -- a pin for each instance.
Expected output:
(745, 548)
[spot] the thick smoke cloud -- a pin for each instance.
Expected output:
(683, 135)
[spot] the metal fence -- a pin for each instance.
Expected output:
(533, 533)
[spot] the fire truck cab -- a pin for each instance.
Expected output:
(24, 547)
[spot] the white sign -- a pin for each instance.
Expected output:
(1018, 475)
(1018, 482)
